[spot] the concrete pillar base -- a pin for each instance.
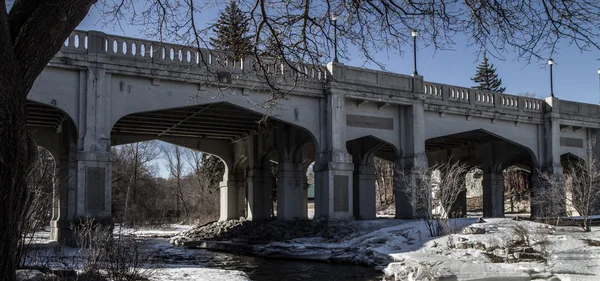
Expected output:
(291, 194)
(493, 194)
(62, 232)
(259, 194)
(459, 208)
(333, 190)
(364, 193)
(232, 200)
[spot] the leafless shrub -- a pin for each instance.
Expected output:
(577, 191)
(126, 260)
(428, 188)
(41, 182)
(92, 239)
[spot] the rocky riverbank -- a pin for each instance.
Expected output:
(303, 239)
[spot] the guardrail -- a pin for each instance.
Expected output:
(166, 53)
(481, 98)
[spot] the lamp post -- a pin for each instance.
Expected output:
(414, 34)
(551, 62)
(335, 51)
(599, 85)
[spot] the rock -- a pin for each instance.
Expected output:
(30, 275)
(480, 220)
(474, 230)
(462, 239)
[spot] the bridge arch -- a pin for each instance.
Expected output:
(367, 181)
(492, 154)
(526, 135)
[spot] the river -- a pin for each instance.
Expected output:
(260, 269)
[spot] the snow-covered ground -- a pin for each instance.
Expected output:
(404, 250)
(508, 250)
(51, 254)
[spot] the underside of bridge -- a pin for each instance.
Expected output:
(491, 156)
(212, 121)
(43, 116)
(247, 143)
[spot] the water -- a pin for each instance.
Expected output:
(260, 269)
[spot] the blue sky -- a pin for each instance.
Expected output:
(575, 72)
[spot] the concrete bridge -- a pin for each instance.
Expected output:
(103, 90)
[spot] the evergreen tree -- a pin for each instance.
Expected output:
(271, 48)
(231, 31)
(487, 78)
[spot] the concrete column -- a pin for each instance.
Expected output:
(493, 194)
(232, 191)
(459, 208)
(94, 179)
(333, 168)
(364, 192)
(259, 194)
(291, 194)
(64, 199)
(414, 158)
(549, 160)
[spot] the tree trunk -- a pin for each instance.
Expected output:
(15, 160)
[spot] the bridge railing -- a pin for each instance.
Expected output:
(475, 97)
(174, 54)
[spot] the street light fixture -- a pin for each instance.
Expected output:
(599, 84)
(551, 62)
(335, 50)
(414, 34)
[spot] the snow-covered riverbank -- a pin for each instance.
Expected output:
(46, 253)
(506, 250)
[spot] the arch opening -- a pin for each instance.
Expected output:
(499, 181)
(237, 136)
(374, 170)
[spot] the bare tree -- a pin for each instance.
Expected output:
(175, 165)
(579, 188)
(133, 179)
(430, 188)
(33, 32)
(516, 187)
(202, 191)
(384, 172)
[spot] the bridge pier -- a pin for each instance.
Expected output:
(259, 194)
(232, 195)
(291, 192)
(364, 192)
(493, 194)
(414, 158)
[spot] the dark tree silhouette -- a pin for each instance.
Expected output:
(231, 31)
(487, 78)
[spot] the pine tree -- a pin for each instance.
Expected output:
(231, 31)
(487, 78)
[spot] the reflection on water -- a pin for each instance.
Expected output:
(279, 269)
(266, 269)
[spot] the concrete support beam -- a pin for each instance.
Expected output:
(493, 194)
(364, 192)
(550, 162)
(414, 157)
(459, 208)
(232, 191)
(333, 168)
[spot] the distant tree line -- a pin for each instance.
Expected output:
(189, 194)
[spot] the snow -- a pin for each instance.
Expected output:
(48, 253)
(404, 250)
(197, 274)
